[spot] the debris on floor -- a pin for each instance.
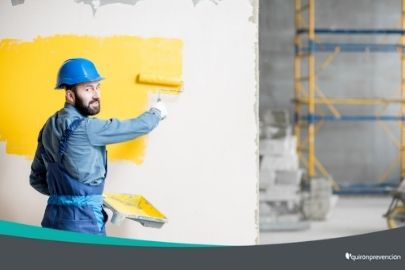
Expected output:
(280, 176)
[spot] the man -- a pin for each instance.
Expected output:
(70, 163)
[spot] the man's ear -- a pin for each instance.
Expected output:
(70, 97)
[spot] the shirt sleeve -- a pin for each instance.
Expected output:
(38, 170)
(103, 132)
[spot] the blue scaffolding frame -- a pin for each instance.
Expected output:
(305, 49)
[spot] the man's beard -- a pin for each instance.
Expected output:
(87, 110)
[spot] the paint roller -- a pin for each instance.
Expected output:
(162, 81)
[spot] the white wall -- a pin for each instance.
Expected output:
(200, 167)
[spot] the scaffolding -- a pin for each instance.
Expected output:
(307, 94)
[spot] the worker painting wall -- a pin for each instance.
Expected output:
(199, 166)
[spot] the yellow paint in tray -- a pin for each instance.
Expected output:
(134, 207)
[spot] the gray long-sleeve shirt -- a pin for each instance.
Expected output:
(85, 154)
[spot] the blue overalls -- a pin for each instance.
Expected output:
(70, 165)
(73, 205)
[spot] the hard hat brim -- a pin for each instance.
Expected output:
(61, 86)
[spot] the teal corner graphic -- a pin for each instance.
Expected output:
(28, 231)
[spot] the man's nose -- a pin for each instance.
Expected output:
(96, 93)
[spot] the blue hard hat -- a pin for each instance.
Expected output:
(77, 70)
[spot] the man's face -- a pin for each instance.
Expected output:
(88, 98)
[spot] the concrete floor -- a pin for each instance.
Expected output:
(351, 216)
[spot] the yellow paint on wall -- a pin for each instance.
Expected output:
(28, 75)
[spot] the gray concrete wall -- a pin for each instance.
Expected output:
(353, 152)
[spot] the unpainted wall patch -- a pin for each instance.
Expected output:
(196, 2)
(95, 4)
(255, 12)
(17, 2)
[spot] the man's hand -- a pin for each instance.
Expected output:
(161, 107)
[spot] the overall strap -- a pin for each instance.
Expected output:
(65, 137)
(40, 145)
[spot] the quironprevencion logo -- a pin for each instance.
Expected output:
(372, 257)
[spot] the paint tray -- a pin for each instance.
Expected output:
(134, 207)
